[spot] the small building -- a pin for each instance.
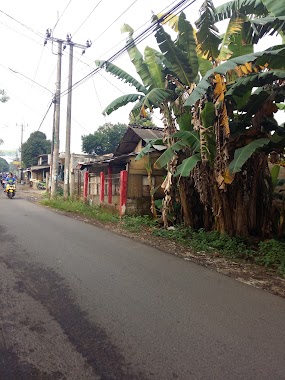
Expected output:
(107, 174)
(38, 172)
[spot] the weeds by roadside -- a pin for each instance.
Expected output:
(80, 208)
(270, 253)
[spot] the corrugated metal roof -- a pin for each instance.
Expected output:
(133, 136)
(39, 167)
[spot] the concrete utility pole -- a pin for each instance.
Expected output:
(55, 152)
(66, 186)
(21, 151)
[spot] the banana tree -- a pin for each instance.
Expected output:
(226, 107)
(244, 127)
(165, 77)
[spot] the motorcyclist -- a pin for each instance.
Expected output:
(10, 179)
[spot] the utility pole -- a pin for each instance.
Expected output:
(21, 151)
(66, 187)
(55, 153)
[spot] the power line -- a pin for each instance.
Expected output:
(98, 98)
(143, 35)
(87, 17)
(25, 26)
(45, 115)
(16, 72)
(100, 35)
(62, 14)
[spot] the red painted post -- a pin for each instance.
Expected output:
(85, 186)
(123, 191)
(102, 187)
(109, 185)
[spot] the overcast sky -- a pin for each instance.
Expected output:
(22, 29)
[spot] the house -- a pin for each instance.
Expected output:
(41, 171)
(38, 172)
(121, 182)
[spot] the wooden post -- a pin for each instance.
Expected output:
(109, 185)
(85, 186)
(123, 191)
(102, 187)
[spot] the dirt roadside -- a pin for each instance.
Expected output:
(248, 273)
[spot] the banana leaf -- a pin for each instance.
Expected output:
(272, 57)
(186, 42)
(120, 102)
(274, 175)
(155, 66)
(148, 148)
(207, 34)
(244, 153)
(167, 155)
(261, 79)
(121, 74)
(276, 7)
(154, 98)
(240, 7)
(266, 26)
(187, 165)
(137, 58)
(175, 56)
(191, 138)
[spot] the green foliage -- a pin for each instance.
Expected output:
(177, 57)
(272, 253)
(244, 153)
(187, 165)
(121, 74)
(135, 223)
(80, 208)
(36, 145)
(4, 166)
(120, 102)
(105, 140)
(210, 242)
(207, 34)
(4, 98)
(274, 57)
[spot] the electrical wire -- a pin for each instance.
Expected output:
(61, 15)
(87, 17)
(143, 35)
(38, 84)
(148, 31)
(25, 26)
(99, 101)
(104, 31)
(45, 115)
(38, 65)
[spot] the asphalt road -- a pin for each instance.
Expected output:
(79, 302)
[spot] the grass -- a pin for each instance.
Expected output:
(80, 208)
(270, 253)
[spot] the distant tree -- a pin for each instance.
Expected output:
(4, 166)
(4, 98)
(105, 140)
(1, 142)
(36, 145)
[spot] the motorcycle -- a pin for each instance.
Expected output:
(41, 185)
(10, 190)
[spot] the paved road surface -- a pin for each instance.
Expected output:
(78, 302)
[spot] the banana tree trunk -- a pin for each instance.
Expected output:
(244, 209)
(169, 183)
